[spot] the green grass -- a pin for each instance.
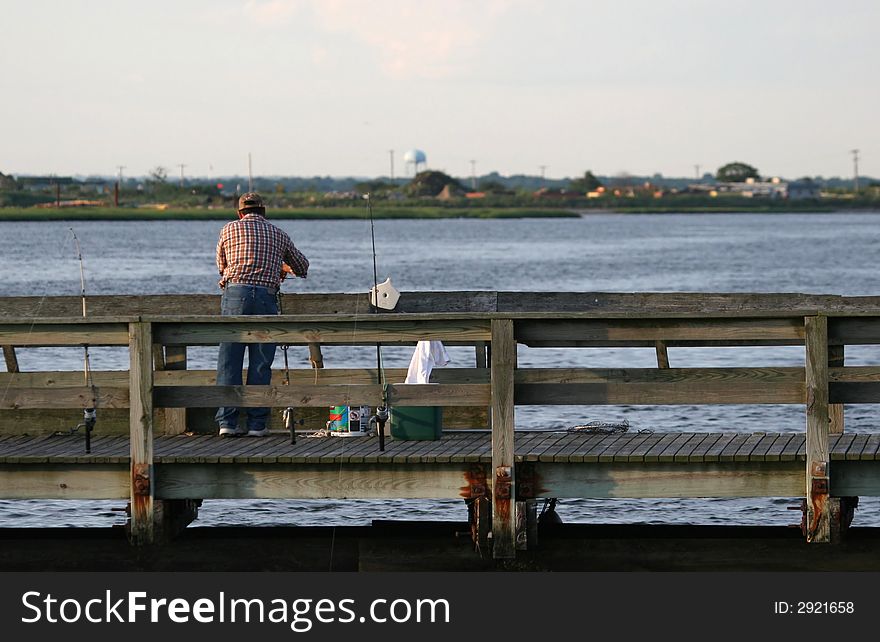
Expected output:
(195, 214)
(735, 209)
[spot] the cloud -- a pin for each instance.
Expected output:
(269, 13)
(409, 39)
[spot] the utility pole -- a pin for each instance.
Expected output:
(697, 171)
(391, 154)
(250, 175)
(181, 166)
(855, 154)
(118, 185)
(474, 175)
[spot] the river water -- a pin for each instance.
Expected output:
(808, 253)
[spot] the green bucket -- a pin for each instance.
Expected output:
(416, 423)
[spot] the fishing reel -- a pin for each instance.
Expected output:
(290, 422)
(379, 420)
(90, 418)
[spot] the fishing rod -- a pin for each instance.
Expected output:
(90, 415)
(381, 416)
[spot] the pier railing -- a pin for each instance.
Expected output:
(158, 330)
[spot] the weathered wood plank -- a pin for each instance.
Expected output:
(744, 452)
(836, 359)
(856, 479)
(141, 411)
(658, 480)
(698, 454)
(795, 446)
(655, 387)
(310, 481)
(662, 354)
(638, 453)
(854, 331)
(596, 447)
(609, 454)
(64, 379)
(818, 427)
(853, 453)
(840, 445)
(684, 454)
(391, 331)
(770, 447)
(10, 358)
(25, 447)
(653, 455)
(325, 376)
(729, 452)
(622, 454)
(713, 454)
(464, 445)
(60, 398)
(175, 418)
(515, 303)
(503, 364)
(774, 453)
(683, 303)
(551, 451)
(625, 330)
(659, 394)
(525, 443)
(869, 452)
(668, 454)
(42, 481)
(429, 394)
(64, 334)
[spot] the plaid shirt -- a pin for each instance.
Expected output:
(251, 250)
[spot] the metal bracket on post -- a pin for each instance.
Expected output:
(479, 508)
(142, 480)
(819, 488)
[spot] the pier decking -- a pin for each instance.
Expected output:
(154, 454)
(622, 465)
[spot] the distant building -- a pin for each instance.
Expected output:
(775, 188)
(803, 189)
(7, 182)
(42, 183)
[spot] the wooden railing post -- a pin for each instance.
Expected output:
(503, 363)
(175, 418)
(141, 427)
(835, 410)
(10, 358)
(818, 520)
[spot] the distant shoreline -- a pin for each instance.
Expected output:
(330, 213)
(12, 214)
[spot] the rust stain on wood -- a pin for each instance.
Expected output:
(502, 491)
(141, 481)
(475, 483)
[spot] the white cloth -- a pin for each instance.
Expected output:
(428, 355)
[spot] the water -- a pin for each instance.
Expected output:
(809, 253)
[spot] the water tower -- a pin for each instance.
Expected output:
(415, 157)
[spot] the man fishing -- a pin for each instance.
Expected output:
(253, 257)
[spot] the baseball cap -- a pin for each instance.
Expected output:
(248, 200)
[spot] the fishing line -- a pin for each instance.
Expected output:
(34, 313)
(89, 414)
(381, 411)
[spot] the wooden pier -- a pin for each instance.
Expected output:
(148, 447)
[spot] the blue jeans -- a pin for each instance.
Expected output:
(241, 299)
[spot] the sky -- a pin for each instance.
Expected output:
(342, 87)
